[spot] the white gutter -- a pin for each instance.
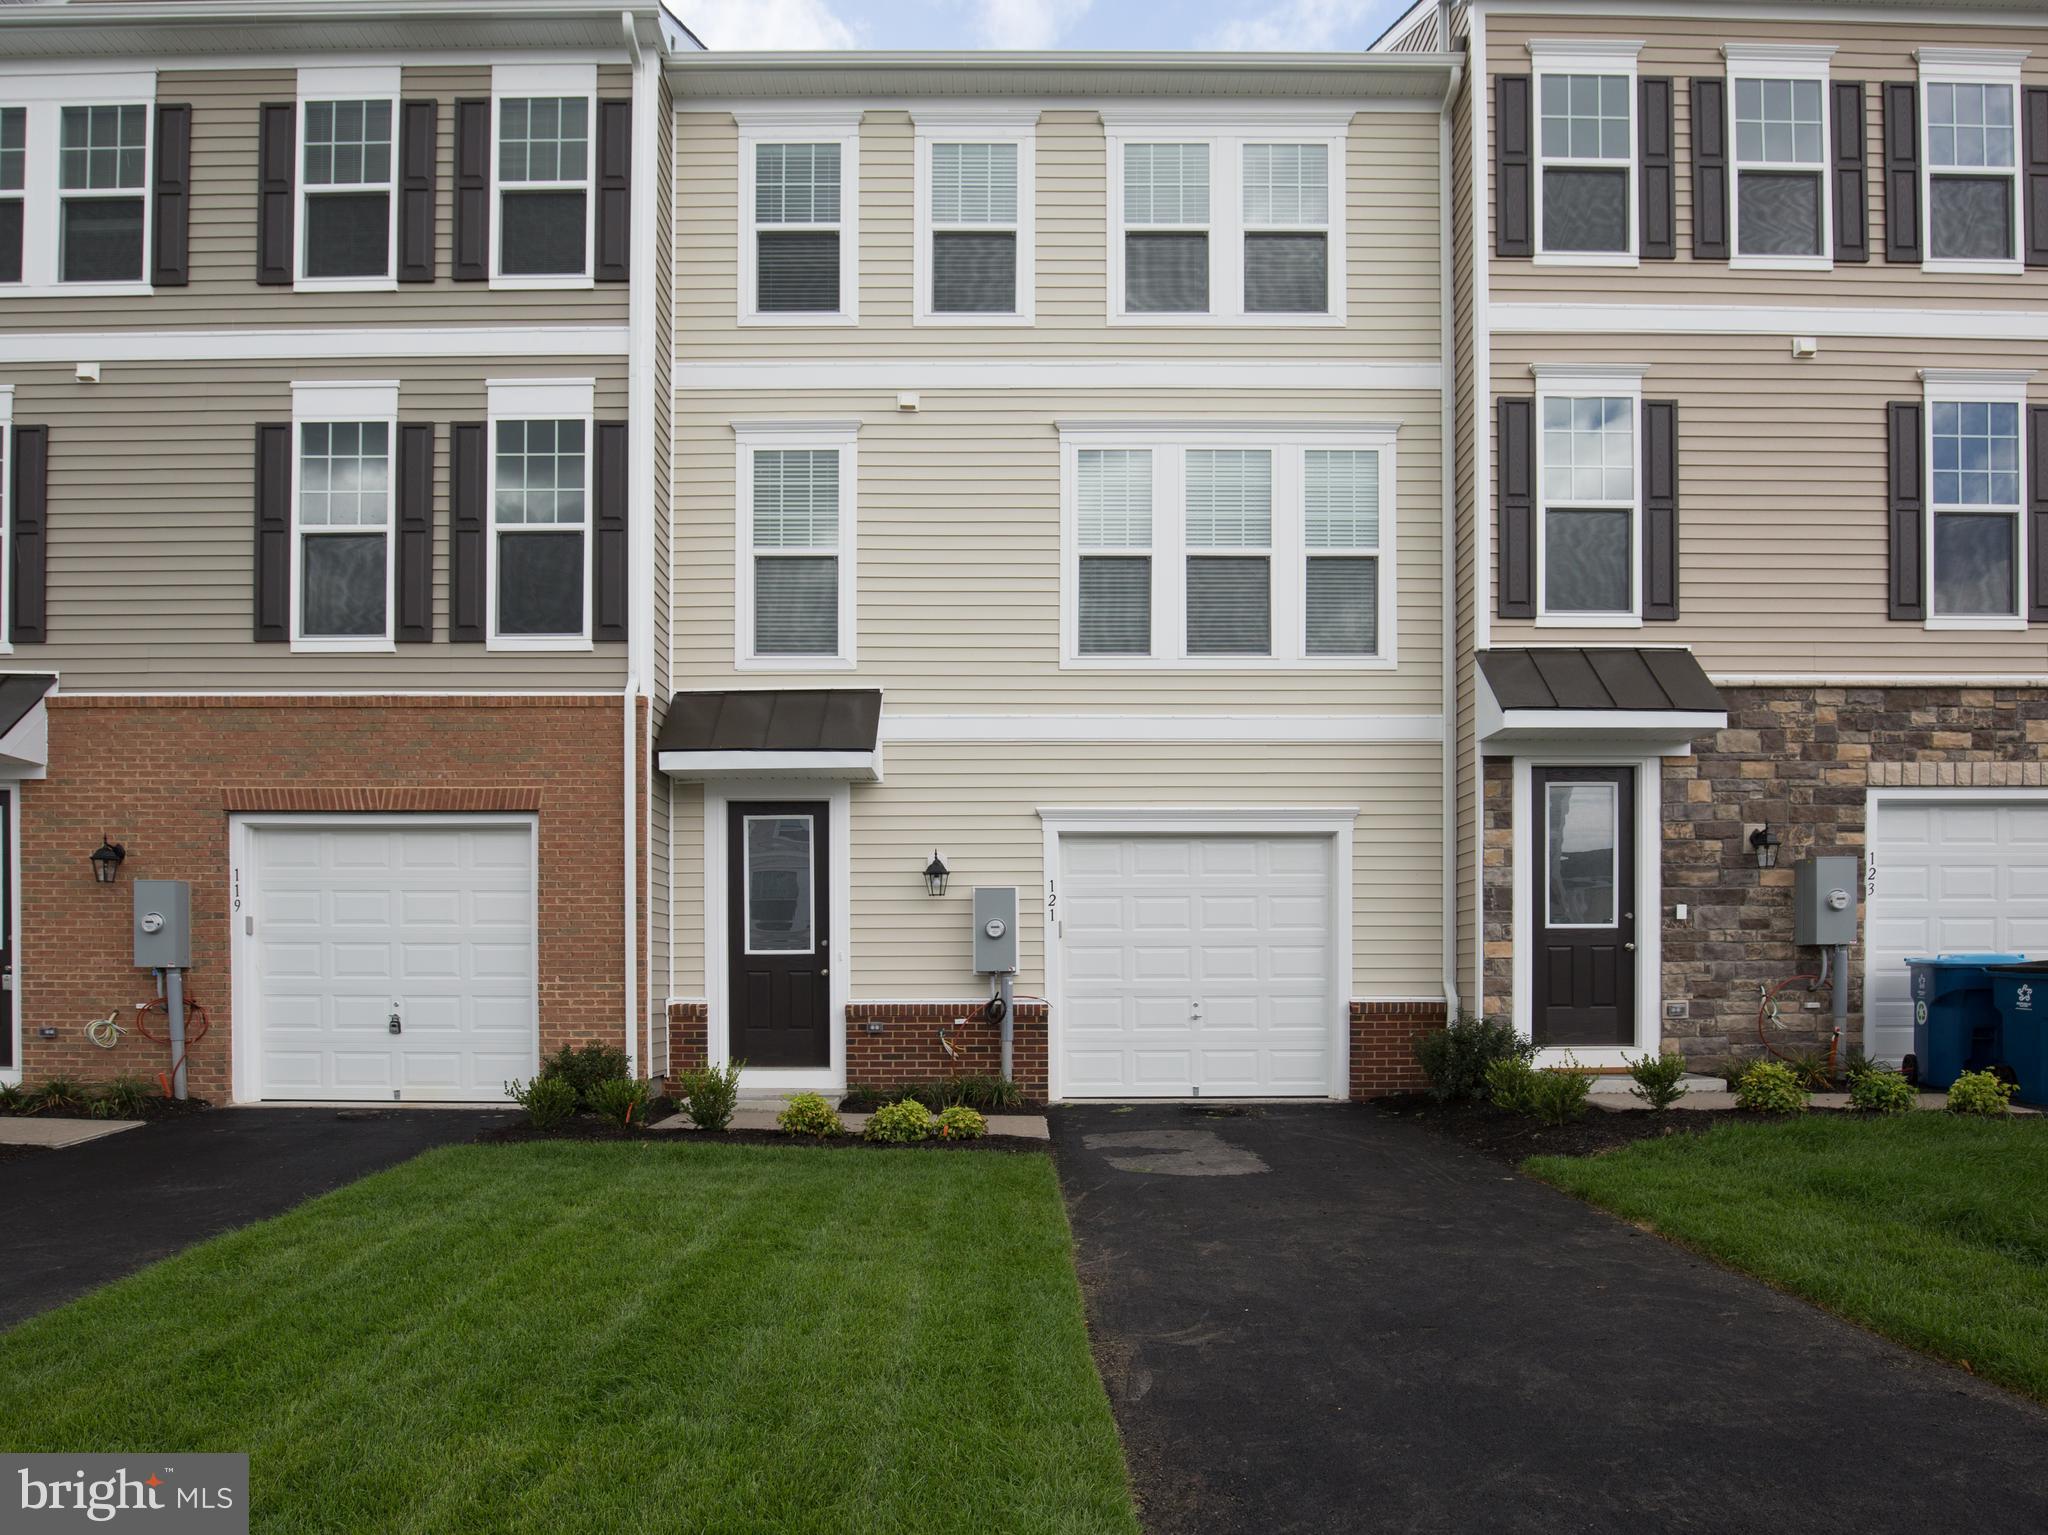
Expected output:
(1448, 428)
(328, 12)
(1482, 465)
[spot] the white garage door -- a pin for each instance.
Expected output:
(1196, 966)
(1949, 877)
(353, 926)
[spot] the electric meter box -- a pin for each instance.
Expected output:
(1824, 902)
(995, 929)
(163, 924)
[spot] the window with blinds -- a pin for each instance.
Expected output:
(1166, 228)
(1114, 529)
(797, 227)
(975, 228)
(1229, 559)
(1340, 534)
(795, 533)
(1286, 190)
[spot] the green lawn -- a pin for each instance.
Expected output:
(1930, 1229)
(622, 1337)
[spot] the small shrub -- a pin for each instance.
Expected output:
(1882, 1092)
(990, 1094)
(710, 1095)
(122, 1098)
(900, 1123)
(622, 1100)
(1510, 1084)
(16, 1100)
(961, 1123)
(1810, 1069)
(1660, 1079)
(1856, 1065)
(1455, 1058)
(60, 1095)
(584, 1067)
(1558, 1096)
(810, 1114)
(1979, 1092)
(547, 1100)
(1770, 1087)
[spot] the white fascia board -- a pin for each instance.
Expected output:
(1974, 66)
(523, 79)
(540, 399)
(1585, 55)
(348, 82)
(898, 374)
(1198, 818)
(809, 433)
(702, 767)
(337, 400)
(1579, 320)
(316, 343)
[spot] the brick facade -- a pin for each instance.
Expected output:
(162, 776)
(1383, 1036)
(688, 1037)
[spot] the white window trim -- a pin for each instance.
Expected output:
(1169, 442)
(44, 95)
(6, 524)
(1603, 381)
(522, 80)
(1973, 66)
(832, 124)
(313, 403)
(993, 125)
(1580, 56)
(1227, 128)
(1782, 61)
(1975, 386)
(351, 83)
(558, 399)
(842, 437)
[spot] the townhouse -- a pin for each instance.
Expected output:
(1752, 458)
(330, 433)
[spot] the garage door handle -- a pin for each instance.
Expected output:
(396, 1026)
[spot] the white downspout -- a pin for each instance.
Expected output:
(1447, 276)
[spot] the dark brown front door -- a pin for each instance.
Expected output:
(779, 938)
(1584, 893)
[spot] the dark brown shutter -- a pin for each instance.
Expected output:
(614, 190)
(419, 146)
(1908, 494)
(466, 532)
(1516, 474)
(472, 192)
(415, 574)
(1709, 169)
(1901, 171)
(29, 534)
(275, 177)
(1852, 172)
(1514, 231)
(1660, 511)
(2037, 514)
(2034, 171)
(609, 594)
(170, 264)
(273, 532)
(1657, 171)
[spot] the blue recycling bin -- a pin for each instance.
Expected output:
(1955, 1022)
(2020, 993)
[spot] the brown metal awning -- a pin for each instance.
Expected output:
(24, 724)
(1656, 699)
(773, 732)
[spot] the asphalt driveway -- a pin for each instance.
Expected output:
(77, 1218)
(1314, 1318)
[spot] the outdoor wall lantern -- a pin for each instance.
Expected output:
(1765, 843)
(106, 860)
(935, 875)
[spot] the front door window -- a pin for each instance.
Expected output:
(1584, 960)
(1584, 841)
(779, 884)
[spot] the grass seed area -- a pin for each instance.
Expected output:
(1929, 1228)
(563, 1337)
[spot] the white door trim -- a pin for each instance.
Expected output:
(10, 1016)
(245, 1028)
(1334, 822)
(1649, 795)
(719, 797)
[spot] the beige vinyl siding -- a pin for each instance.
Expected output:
(226, 112)
(152, 519)
(1391, 255)
(1687, 46)
(1465, 495)
(1782, 506)
(663, 426)
(981, 809)
(958, 552)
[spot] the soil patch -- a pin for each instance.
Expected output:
(1512, 1138)
(588, 1127)
(152, 1109)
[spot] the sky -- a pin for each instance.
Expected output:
(1220, 24)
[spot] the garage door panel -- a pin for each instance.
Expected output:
(1153, 963)
(1164, 914)
(430, 908)
(430, 961)
(1161, 858)
(360, 961)
(1163, 1068)
(1227, 914)
(1155, 1015)
(1224, 964)
(501, 961)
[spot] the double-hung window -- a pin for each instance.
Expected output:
(1286, 228)
(345, 436)
(348, 231)
(102, 192)
(1970, 113)
(75, 169)
(540, 500)
(1977, 535)
(1586, 151)
(541, 174)
(6, 510)
(1783, 215)
(798, 224)
(975, 220)
(1589, 497)
(795, 582)
(1208, 548)
(13, 188)
(1166, 247)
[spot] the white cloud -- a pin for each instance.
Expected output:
(1025, 23)
(1303, 25)
(740, 25)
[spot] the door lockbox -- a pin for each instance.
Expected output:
(1824, 902)
(995, 929)
(163, 924)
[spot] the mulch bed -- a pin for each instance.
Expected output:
(588, 1127)
(1513, 1137)
(153, 1109)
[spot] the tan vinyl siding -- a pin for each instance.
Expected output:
(226, 106)
(663, 426)
(959, 552)
(1685, 46)
(152, 507)
(1391, 242)
(1465, 496)
(1783, 536)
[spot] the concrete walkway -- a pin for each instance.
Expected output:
(29, 1130)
